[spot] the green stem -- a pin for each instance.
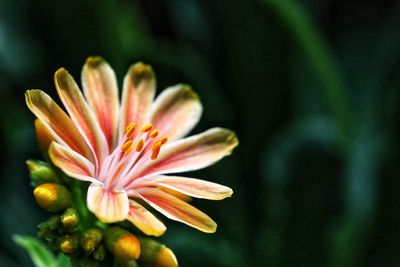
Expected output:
(299, 24)
(79, 201)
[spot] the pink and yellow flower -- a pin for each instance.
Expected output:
(125, 149)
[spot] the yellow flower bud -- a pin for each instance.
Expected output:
(43, 136)
(70, 218)
(166, 258)
(124, 245)
(41, 172)
(52, 197)
(155, 254)
(91, 239)
(69, 244)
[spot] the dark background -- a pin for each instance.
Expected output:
(311, 88)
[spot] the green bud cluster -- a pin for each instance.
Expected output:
(75, 232)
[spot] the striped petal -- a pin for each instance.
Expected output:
(57, 122)
(190, 186)
(101, 90)
(192, 153)
(137, 96)
(71, 162)
(176, 111)
(176, 209)
(108, 205)
(81, 113)
(145, 220)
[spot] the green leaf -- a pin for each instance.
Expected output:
(63, 261)
(39, 253)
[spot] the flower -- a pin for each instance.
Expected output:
(125, 149)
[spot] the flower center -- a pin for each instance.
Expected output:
(137, 146)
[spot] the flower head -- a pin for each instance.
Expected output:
(126, 149)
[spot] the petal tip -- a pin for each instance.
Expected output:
(212, 229)
(94, 61)
(141, 72)
(188, 92)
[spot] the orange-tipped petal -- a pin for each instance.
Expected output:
(176, 111)
(192, 153)
(137, 95)
(71, 162)
(176, 209)
(81, 113)
(193, 187)
(57, 122)
(145, 220)
(108, 205)
(43, 136)
(101, 90)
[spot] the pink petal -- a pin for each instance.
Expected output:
(145, 220)
(81, 113)
(137, 96)
(108, 205)
(101, 90)
(57, 122)
(189, 186)
(176, 111)
(71, 162)
(191, 153)
(177, 210)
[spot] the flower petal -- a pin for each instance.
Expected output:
(57, 122)
(189, 186)
(191, 153)
(81, 113)
(137, 96)
(176, 111)
(108, 205)
(177, 210)
(71, 162)
(145, 220)
(101, 90)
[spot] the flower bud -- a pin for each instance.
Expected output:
(155, 254)
(69, 244)
(52, 197)
(41, 172)
(52, 224)
(124, 245)
(100, 252)
(43, 136)
(70, 218)
(91, 239)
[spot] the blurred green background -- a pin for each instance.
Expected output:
(311, 87)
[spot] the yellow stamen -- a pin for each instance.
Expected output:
(156, 150)
(139, 145)
(130, 129)
(127, 146)
(147, 127)
(154, 133)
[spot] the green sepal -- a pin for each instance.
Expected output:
(150, 250)
(100, 252)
